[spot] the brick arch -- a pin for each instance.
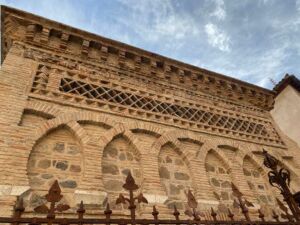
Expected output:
(93, 118)
(71, 126)
(221, 156)
(219, 174)
(192, 137)
(50, 125)
(171, 137)
(205, 143)
(212, 146)
(242, 150)
(255, 161)
(246, 151)
(265, 170)
(228, 142)
(54, 124)
(76, 117)
(42, 109)
(117, 130)
(147, 128)
(184, 168)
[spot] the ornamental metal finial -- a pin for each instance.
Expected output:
(192, 203)
(130, 183)
(131, 186)
(242, 203)
(270, 161)
(53, 196)
(281, 178)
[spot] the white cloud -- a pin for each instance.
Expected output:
(154, 20)
(256, 68)
(217, 38)
(298, 5)
(219, 11)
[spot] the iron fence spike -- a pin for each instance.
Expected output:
(261, 215)
(176, 213)
(155, 213)
(213, 214)
(230, 214)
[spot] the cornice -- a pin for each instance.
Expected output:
(291, 80)
(39, 31)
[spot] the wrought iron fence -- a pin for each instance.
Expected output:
(49, 214)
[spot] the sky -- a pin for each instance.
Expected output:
(252, 40)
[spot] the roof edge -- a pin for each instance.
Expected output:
(91, 35)
(288, 79)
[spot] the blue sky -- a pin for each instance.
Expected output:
(252, 40)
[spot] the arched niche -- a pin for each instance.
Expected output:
(259, 186)
(229, 151)
(175, 176)
(218, 173)
(119, 157)
(56, 156)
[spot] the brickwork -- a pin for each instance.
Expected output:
(86, 110)
(174, 175)
(120, 157)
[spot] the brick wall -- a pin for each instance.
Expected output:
(90, 143)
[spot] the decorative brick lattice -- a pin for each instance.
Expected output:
(41, 78)
(95, 92)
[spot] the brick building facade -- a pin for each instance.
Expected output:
(86, 110)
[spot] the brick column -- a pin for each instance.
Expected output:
(16, 77)
(54, 80)
(91, 189)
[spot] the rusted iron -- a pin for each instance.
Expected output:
(18, 210)
(193, 204)
(176, 213)
(80, 210)
(107, 211)
(230, 215)
(242, 203)
(280, 178)
(275, 216)
(155, 213)
(34, 221)
(131, 186)
(285, 210)
(54, 196)
(213, 214)
(261, 215)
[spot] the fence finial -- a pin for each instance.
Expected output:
(176, 213)
(155, 213)
(261, 215)
(241, 203)
(131, 186)
(230, 215)
(53, 197)
(192, 203)
(213, 214)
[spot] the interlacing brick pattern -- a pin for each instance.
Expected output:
(96, 92)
